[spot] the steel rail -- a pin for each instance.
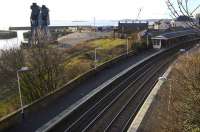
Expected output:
(124, 92)
(115, 100)
(117, 117)
(107, 96)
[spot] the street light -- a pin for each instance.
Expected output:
(23, 69)
(127, 46)
(147, 40)
(170, 88)
(95, 56)
(170, 92)
(183, 51)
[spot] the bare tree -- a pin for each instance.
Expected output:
(182, 7)
(10, 61)
(47, 72)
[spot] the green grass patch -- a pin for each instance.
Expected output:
(9, 105)
(108, 43)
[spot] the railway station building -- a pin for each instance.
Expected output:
(170, 39)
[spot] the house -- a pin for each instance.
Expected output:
(162, 24)
(131, 27)
(198, 19)
(182, 21)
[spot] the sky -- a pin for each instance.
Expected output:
(17, 12)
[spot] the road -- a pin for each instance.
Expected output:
(35, 120)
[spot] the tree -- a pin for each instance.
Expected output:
(46, 75)
(183, 8)
(10, 61)
(47, 72)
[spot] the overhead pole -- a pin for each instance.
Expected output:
(94, 24)
(138, 15)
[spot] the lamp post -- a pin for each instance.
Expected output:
(183, 51)
(23, 69)
(127, 46)
(170, 92)
(95, 56)
(170, 89)
(147, 40)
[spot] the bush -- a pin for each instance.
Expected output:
(47, 73)
(10, 61)
(186, 93)
(77, 67)
(139, 46)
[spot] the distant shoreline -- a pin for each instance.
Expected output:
(7, 34)
(79, 21)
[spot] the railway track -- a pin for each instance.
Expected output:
(113, 108)
(116, 115)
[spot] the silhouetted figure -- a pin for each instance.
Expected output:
(45, 15)
(45, 19)
(34, 14)
(39, 24)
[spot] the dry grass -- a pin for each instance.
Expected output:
(184, 109)
(53, 68)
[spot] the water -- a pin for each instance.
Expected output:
(13, 42)
(9, 43)
(85, 23)
(92, 22)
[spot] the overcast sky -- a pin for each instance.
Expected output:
(17, 12)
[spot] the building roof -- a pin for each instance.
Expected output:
(184, 19)
(170, 35)
(132, 27)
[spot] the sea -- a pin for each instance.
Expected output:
(15, 42)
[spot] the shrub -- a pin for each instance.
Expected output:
(186, 93)
(77, 67)
(47, 73)
(139, 46)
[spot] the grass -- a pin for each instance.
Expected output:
(78, 60)
(183, 114)
(9, 105)
(107, 43)
(82, 58)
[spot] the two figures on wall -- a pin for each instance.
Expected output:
(39, 23)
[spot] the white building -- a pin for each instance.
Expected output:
(162, 24)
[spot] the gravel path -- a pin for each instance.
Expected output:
(76, 38)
